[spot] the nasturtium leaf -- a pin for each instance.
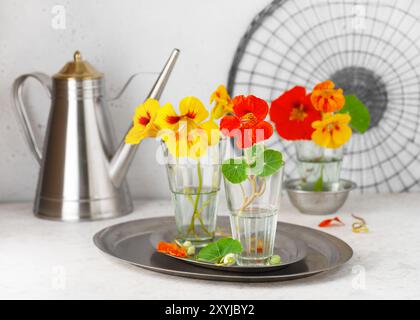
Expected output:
(319, 184)
(235, 170)
(360, 117)
(268, 163)
(215, 251)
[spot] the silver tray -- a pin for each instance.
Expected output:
(130, 242)
(290, 249)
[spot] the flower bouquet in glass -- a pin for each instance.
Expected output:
(193, 153)
(252, 181)
(320, 123)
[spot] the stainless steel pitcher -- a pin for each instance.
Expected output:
(82, 175)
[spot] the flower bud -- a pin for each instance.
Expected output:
(187, 244)
(228, 260)
(275, 260)
(191, 250)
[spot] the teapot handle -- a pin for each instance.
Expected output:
(124, 88)
(22, 110)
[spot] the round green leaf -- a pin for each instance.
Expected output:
(272, 161)
(360, 117)
(215, 251)
(235, 170)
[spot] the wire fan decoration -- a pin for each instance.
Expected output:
(370, 48)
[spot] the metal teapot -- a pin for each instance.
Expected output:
(82, 174)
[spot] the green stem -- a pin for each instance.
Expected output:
(200, 186)
(255, 192)
(196, 214)
(319, 184)
(206, 231)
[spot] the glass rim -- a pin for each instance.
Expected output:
(244, 214)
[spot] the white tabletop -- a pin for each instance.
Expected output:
(53, 260)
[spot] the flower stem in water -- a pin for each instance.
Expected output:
(197, 214)
(256, 193)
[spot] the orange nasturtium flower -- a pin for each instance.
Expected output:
(333, 131)
(326, 99)
(144, 125)
(172, 249)
(224, 104)
(187, 134)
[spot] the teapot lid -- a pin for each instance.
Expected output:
(78, 70)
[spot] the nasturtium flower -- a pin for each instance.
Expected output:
(190, 142)
(172, 249)
(192, 111)
(186, 134)
(144, 125)
(247, 123)
(223, 103)
(293, 115)
(327, 99)
(333, 131)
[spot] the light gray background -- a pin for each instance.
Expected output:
(119, 38)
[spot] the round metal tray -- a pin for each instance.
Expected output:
(130, 242)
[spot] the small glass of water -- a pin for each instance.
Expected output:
(195, 185)
(254, 205)
(319, 168)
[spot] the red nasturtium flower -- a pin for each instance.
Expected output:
(293, 114)
(172, 249)
(247, 123)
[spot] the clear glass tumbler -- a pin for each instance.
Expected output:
(195, 186)
(254, 205)
(256, 230)
(319, 168)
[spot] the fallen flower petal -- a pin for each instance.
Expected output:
(172, 249)
(330, 222)
(359, 227)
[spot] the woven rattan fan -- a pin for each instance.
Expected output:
(370, 48)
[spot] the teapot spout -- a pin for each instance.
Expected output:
(123, 157)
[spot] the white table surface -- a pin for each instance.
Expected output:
(53, 260)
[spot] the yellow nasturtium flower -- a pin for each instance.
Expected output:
(191, 109)
(144, 122)
(224, 104)
(186, 134)
(185, 142)
(333, 131)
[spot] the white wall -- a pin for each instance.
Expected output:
(120, 38)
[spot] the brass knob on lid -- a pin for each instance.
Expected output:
(78, 69)
(77, 56)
